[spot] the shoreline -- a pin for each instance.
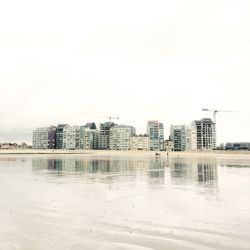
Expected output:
(124, 153)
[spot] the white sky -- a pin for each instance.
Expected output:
(71, 61)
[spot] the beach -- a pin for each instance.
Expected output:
(203, 154)
(115, 200)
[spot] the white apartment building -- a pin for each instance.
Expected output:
(120, 137)
(139, 142)
(191, 137)
(44, 138)
(71, 137)
(184, 137)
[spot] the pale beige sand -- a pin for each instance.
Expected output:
(230, 154)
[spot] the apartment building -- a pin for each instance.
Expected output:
(155, 130)
(178, 135)
(169, 145)
(71, 137)
(120, 137)
(59, 135)
(205, 132)
(104, 135)
(44, 138)
(88, 136)
(191, 137)
(139, 142)
(184, 137)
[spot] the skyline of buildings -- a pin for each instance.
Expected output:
(200, 134)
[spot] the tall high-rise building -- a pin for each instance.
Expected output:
(205, 129)
(71, 137)
(120, 137)
(44, 138)
(59, 135)
(155, 130)
(191, 137)
(89, 136)
(104, 135)
(179, 136)
(183, 137)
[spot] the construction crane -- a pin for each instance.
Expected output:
(112, 118)
(215, 111)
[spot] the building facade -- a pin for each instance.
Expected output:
(59, 135)
(184, 137)
(155, 130)
(191, 137)
(71, 137)
(88, 136)
(179, 136)
(139, 142)
(169, 145)
(104, 135)
(237, 146)
(205, 132)
(120, 137)
(44, 138)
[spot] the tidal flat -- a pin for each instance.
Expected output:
(122, 202)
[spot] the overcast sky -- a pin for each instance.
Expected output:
(78, 61)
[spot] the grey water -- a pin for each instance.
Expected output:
(74, 202)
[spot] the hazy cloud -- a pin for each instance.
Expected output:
(64, 61)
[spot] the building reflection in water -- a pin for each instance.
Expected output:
(206, 172)
(156, 174)
(200, 172)
(126, 171)
(236, 164)
(131, 171)
(98, 165)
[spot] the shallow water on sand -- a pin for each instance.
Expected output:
(73, 202)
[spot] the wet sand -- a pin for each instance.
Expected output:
(124, 203)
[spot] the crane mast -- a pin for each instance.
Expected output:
(112, 118)
(215, 111)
